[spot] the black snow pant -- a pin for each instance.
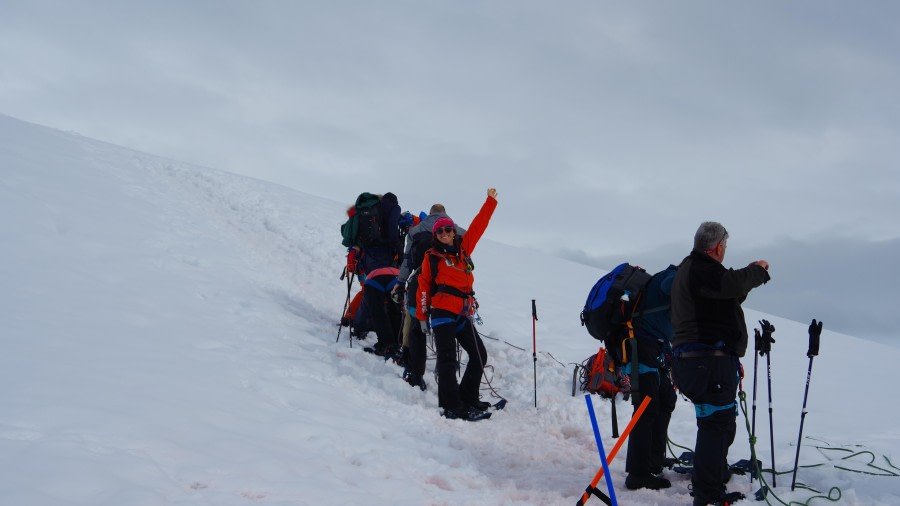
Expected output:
(450, 328)
(647, 442)
(418, 354)
(710, 382)
(384, 313)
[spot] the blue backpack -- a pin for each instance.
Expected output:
(611, 303)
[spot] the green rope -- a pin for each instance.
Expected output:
(670, 444)
(834, 494)
(834, 491)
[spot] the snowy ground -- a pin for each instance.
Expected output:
(168, 338)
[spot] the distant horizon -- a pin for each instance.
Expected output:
(843, 281)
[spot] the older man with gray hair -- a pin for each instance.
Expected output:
(709, 337)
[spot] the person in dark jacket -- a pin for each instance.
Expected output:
(378, 262)
(418, 241)
(653, 331)
(710, 336)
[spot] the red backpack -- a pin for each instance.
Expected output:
(600, 375)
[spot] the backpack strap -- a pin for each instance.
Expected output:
(651, 311)
(435, 262)
(635, 366)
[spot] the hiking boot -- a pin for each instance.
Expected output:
(479, 405)
(466, 413)
(401, 357)
(732, 497)
(635, 482)
(726, 500)
(380, 350)
(415, 380)
(667, 463)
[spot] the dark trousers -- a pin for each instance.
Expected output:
(417, 350)
(647, 442)
(384, 313)
(710, 382)
(451, 395)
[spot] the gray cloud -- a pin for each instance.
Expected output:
(603, 124)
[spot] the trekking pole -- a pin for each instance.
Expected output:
(815, 330)
(346, 302)
(534, 345)
(755, 374)
(766, 342)
(611, 498)
(589, 491)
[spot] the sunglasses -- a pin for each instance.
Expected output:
(445, 230)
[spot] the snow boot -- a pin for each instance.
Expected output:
(727, 499)
(635, 482)
(385, 351)
(466, 413)
(415, 380)
(668, 463)
(479, 405)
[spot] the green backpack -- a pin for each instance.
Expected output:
(363, 227)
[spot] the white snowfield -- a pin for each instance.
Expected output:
(168, 337)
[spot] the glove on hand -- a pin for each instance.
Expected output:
(764, 341)
(352, 259)
(425, 328)
(815, 330)
(397, 294)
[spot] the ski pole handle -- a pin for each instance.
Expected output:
(533, 309)
(815, 330)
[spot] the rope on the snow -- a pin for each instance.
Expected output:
(498, 340)
(834, 494)
(887, 469)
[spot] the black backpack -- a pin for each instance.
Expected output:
(369, 228)
(421, 243)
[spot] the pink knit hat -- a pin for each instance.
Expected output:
(441, 222)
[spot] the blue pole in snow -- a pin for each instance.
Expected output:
(609, 485)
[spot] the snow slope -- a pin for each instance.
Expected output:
(168, 338)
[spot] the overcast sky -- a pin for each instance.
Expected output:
(610, 128)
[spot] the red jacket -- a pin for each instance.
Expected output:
(453, 270)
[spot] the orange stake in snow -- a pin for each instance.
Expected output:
(612, 455)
